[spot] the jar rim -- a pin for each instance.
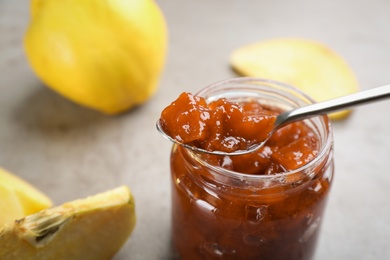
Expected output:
(325, 146)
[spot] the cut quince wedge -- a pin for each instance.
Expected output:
(10, 206)
(308, 65)
(18, 198)
(91, 228)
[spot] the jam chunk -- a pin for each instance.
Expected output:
(186, 118)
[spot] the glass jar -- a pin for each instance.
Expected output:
(222, 214)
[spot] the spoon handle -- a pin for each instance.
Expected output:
(332, 105)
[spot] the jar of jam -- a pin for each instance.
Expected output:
(264, 205)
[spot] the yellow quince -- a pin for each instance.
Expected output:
(95, 227)
(18, 198)
(308, 65)
(104, 54)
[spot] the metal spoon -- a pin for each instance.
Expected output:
(301, 113)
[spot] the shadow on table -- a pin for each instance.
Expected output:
(45, 112)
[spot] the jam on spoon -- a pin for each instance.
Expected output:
(229, 128)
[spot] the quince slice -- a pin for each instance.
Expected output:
(91, 228)
(308, 65)
(19, 198)
(10, 206)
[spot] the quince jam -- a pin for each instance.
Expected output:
(218, 126)
(264, 205)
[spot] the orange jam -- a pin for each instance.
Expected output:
(265, 205)
(220, 125)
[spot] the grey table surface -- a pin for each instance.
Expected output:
(70, 152)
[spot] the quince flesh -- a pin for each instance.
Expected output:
(18, 198)
(308, 65)
(91, 228)
(106, 55)
(10, 206)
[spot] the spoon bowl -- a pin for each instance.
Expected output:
(297, 114)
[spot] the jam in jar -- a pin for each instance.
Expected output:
(265, 205)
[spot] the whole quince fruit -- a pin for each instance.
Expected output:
(104, 54)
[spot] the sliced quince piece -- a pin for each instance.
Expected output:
(30, 199)
(91, 228)
(308, 65)
(10, 206)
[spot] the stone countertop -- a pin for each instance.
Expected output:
(70, 152)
